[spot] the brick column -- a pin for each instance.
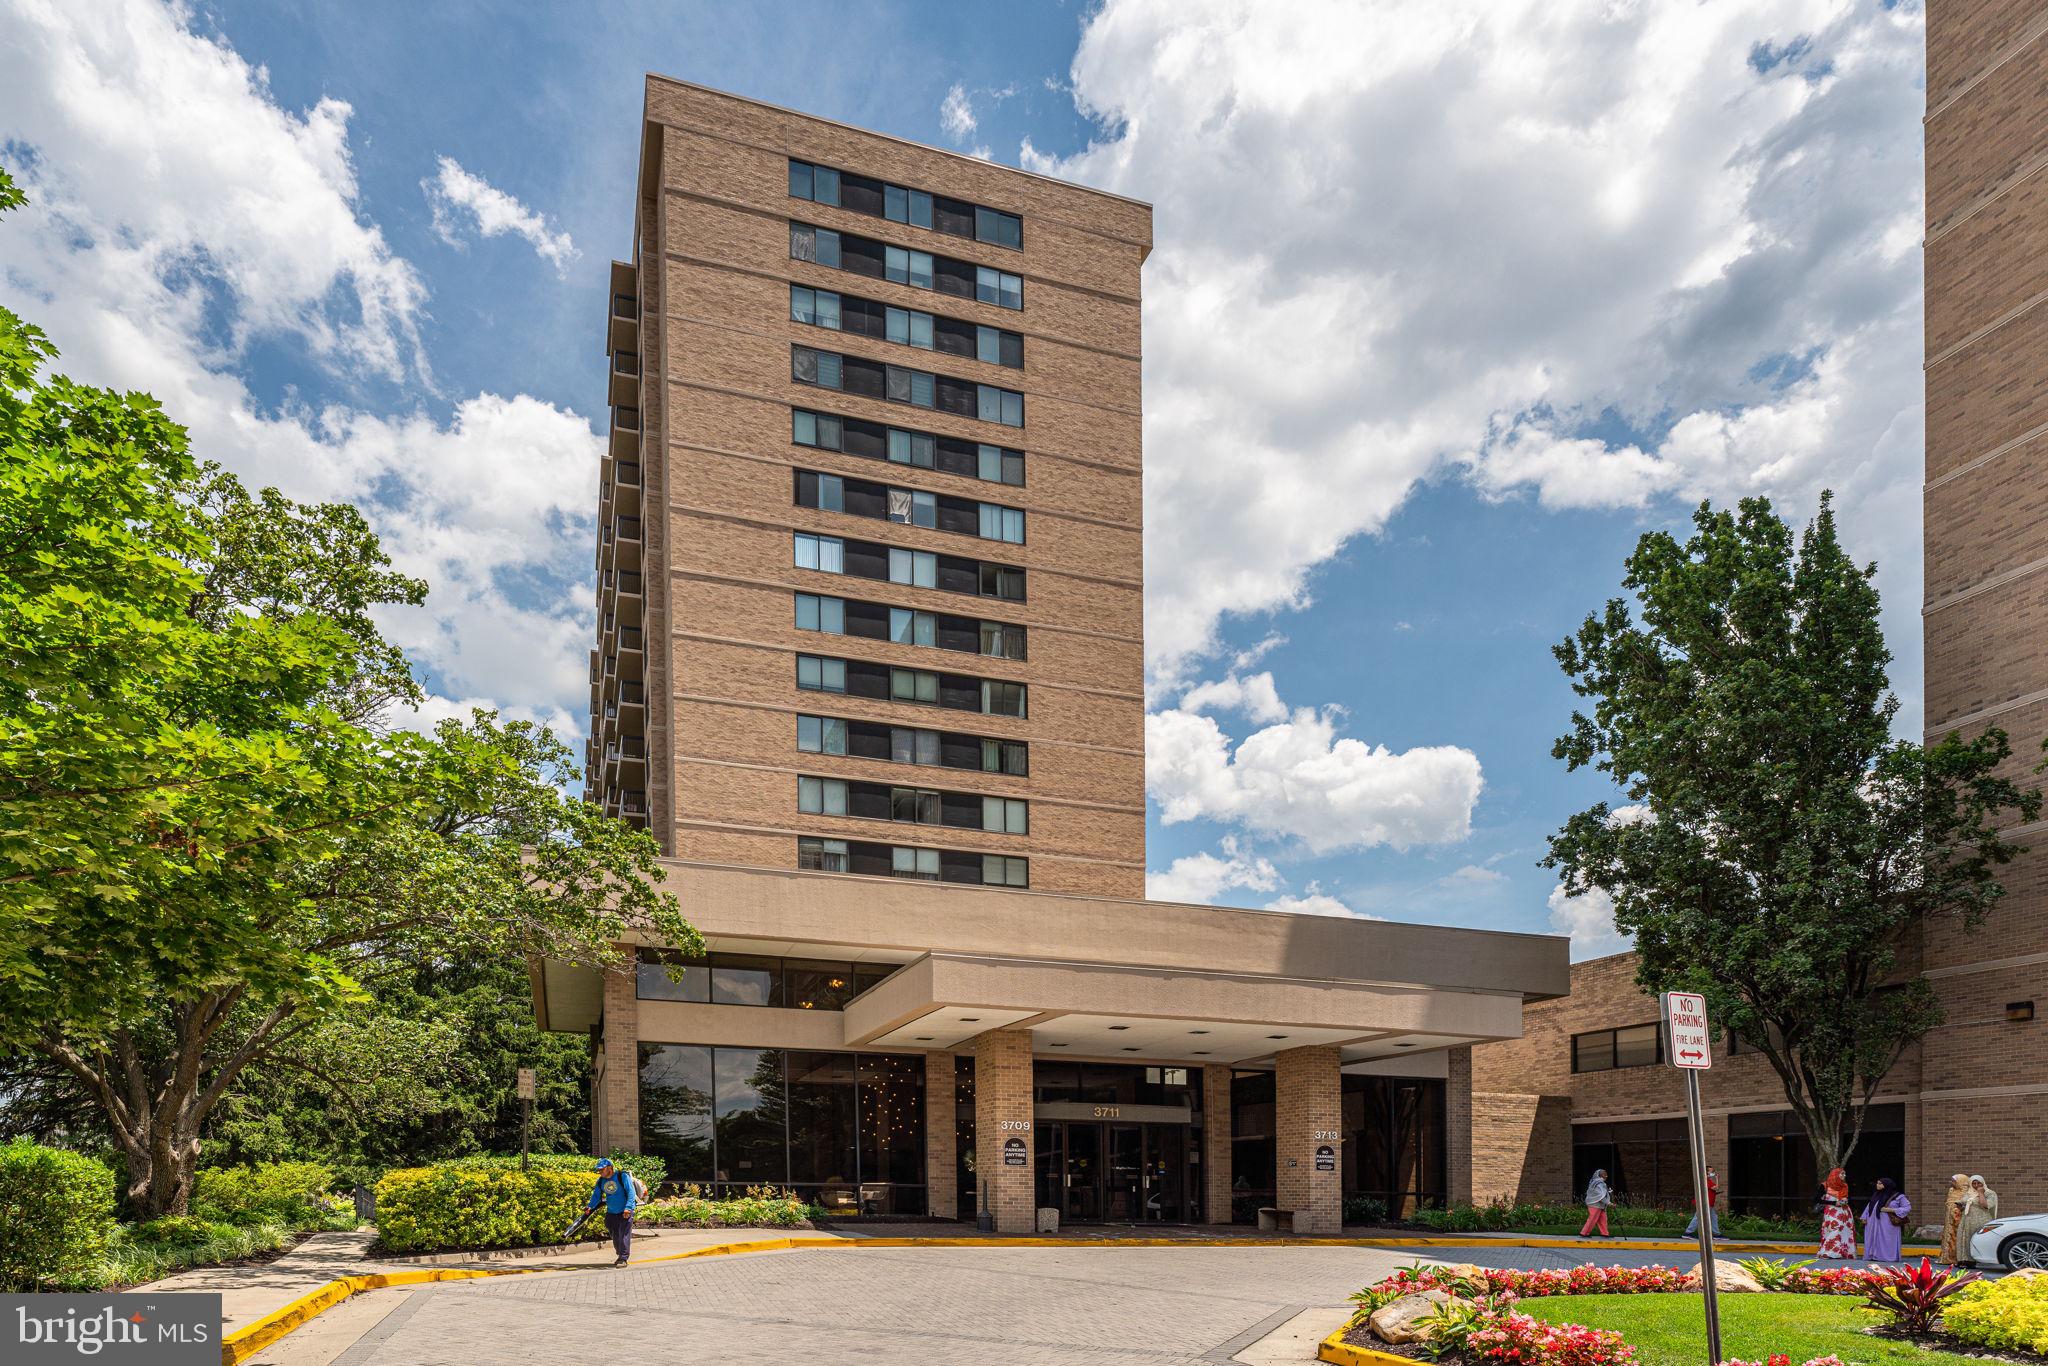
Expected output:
(1309, 1114)
(621, 1084)
(941, 1169)
(1216, 1142)
(1458, 1128)
(1002, 1112)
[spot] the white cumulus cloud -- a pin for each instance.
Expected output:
(1299, 779)
(1432, 234)
(462, 200)
(956, 113)
(1589, 919)
(1315, 901)
(1201, 878)
(1255, 697)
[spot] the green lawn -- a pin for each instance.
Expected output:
(1670, 1330)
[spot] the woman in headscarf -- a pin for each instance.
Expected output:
(1983, 1208)
(1957, 1202)
(1837, 1225)
(1598, 1198)
(1884, 1221)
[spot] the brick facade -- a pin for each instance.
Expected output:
(1308, 1116)
(1003, 1112)
(618, 1098)
(1216, 1143)
(942, 1162)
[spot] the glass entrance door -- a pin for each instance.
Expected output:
(1084, 1172)
(1165, 1180)
(1124, 1174)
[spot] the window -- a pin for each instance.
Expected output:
(999, 466)
(1002, 699)
(1005, 756)
(998, 405)
(821, 856)
(917, 863)
(821, 735)
(907, 267)
(826, 492)
(906, 206)
(1003, 229)
(826, 554)
(913, 685)
(910, 327)
(911, 448)
(990, 286)
(822, 368)
(820, 675)
(691, 982)
(908, 746)
(912, 508)
(818, 307)
(814, 429)
(907, 627)
(915, 387)
(1001, 870)
(821, 796)
(1002, 581)
(918, 568)
(820, 245)
(915, 805)
(999, 641)
(1605, 1049)
(998, 347)
(998, 523)
(814, 613)
(1005, 815)
(819, 184)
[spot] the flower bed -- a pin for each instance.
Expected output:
(760, 1207)
(2010, 1315)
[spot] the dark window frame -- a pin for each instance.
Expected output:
(998, 221)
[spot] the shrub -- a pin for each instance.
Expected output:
(1502, 1215)
(760, 1207)
(2005, 1316)
(1913, 1295)
(176, 1230)
(152, 1251)
(651, 1170)
(299, 1194)
(1363, 1209)
(56, 1217)
(477, 1205)
(1510, 1284)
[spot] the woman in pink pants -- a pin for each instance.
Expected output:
(1598, 1198)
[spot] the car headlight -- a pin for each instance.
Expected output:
(1988, 1227)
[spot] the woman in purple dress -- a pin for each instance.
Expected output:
(1884, 1222)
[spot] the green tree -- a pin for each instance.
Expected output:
(1780, 847)
(211, 842)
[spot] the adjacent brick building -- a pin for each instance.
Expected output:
(869, 666)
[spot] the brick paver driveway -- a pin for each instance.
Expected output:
(1023, 1305)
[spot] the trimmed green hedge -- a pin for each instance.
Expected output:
(56, 1217)
(298, 1194)
(651, 1170)
(471, 1205)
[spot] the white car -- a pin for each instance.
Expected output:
(2019, 1243)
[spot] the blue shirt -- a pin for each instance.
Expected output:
(614, 1190)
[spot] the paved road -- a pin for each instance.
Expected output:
(1043, 1306)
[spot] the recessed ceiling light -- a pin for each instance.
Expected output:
(923, 1038)
(1198, 1031)
(1201, 1052)
(1056, 1045)
(1404, 1045)
(970, 1019)
(1276, 1036)
(1130, 1050)
(1119, 1026)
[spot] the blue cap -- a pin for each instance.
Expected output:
(603, 1162)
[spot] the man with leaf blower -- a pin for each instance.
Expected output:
(618, 1193)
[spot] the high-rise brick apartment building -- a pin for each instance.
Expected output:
(1582, 1088)
(869, 665)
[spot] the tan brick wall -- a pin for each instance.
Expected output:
(1521, 1148)
(1459, 1135)
(941, 1156)
(1216, 1142)
(1308, 1114)
(1964, 36)
(1003, 1111)
(619, 1091)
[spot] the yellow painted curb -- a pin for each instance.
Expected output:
(1335, 1348)
(244, 1343)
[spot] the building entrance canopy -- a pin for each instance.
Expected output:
(945, 1000)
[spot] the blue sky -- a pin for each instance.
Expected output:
(1450, 301)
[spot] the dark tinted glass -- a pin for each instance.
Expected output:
(675, 1108)
(749, 1101)
(892, 1118)
(823, 1124)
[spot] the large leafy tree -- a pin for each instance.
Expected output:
(212, 845)
(1779, 848)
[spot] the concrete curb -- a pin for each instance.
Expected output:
(1334, 1348)
(239, 1346)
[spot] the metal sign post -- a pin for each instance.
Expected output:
(526, 1094)
(1689, 1047)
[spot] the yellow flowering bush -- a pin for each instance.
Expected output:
(2006, 1315)
(423, 1209)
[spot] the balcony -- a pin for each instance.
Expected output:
(629, 639)
(626, 474)
(625, 433)
(629, 583)
(622, 325)
(625, 387)
(633, 803)
(632, 694)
